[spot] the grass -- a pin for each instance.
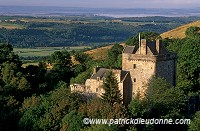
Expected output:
(100, 53)
(31, 63)
(43, 51)
(180, 31)
(11, 25)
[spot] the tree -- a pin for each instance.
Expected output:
(150, 36)
(195, 124)
(45, 112)
(7, 55)
(110, 86)
(136, 108)
(165, 101)
(61, 58)
(81, 77)
(189, 66)
(9, 113)
(113, 54)
(5, 49)
(79, 68)
(8, 71)
(192, 32)
(98, 108)
(73, 121)
(23, 84)
(61, 67)
(119, 61)
(102, 128)
(81, 57)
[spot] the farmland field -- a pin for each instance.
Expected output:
(33, 32)
(44, 51)
(11, 25)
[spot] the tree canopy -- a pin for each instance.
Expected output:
(110, 86)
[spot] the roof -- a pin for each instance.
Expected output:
(150, 49)
(129, 49)
(101, 73)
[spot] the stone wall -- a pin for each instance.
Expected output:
(167, 70)
(141, 64)
(140, 70)
(94, 86)
(143, 67)
(77, 88)
(127, 89)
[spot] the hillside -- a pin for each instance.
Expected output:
(31, 32)
(180, 31)
(99, 53)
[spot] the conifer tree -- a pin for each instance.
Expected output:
(110, 86)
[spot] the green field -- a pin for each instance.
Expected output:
(31, 63)
(44, 51)
(8, 25)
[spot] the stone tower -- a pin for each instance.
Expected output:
(147, 60)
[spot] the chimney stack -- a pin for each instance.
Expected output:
(143, 47)
(158, 45)
(95, 70)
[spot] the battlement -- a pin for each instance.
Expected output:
(144, 48)
(153, 58)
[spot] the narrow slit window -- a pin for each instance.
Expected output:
(134, 80)
(134, 66)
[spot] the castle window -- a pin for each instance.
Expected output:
(134, 80)
(98, 78)
(134, 66)
(97, 89)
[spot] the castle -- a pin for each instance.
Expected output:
(139, 64)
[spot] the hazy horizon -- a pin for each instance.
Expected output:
(108, 12)
(105, 3)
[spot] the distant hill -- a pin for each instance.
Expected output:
(101, 53)
(180, 31)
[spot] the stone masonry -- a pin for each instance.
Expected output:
(139, 65)
(150, 59)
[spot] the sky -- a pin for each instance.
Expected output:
(106, 3)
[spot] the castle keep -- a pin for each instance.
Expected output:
(150, 59)
(139, 64)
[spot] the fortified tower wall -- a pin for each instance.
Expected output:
(150, 59)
